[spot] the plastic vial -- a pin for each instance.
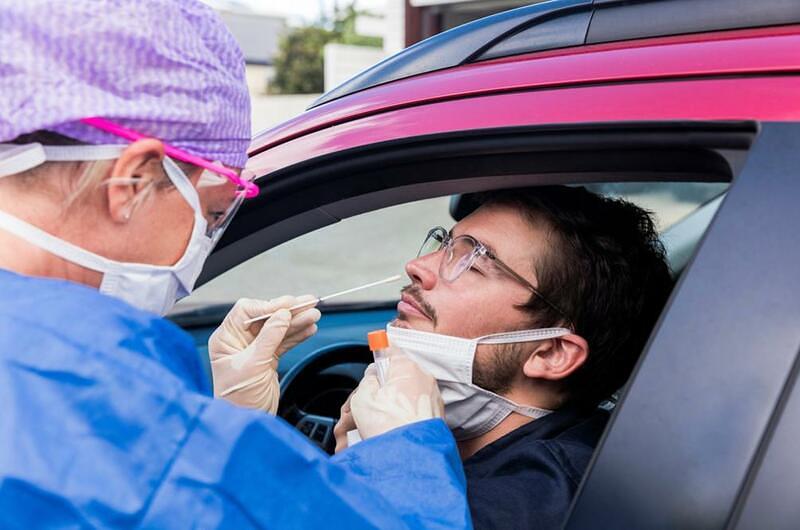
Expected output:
(378, 343)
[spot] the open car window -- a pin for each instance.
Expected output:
(354, 251)
(377, 244)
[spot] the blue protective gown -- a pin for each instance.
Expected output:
(107, 420)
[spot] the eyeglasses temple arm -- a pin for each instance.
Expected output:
(505, 268)
(123, 132)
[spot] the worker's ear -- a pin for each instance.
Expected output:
(132, 176)
(556, 359)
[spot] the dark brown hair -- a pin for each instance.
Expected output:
(605, 269)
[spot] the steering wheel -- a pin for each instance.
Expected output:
(313, 391)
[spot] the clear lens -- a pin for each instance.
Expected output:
(460, 257)
(220, 199)
(433, 242)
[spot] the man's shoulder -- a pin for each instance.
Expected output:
(528, 478)
(563, 435)
(573, 447)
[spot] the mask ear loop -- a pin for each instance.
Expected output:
(18, 158)
(172, 174)
(527, 335)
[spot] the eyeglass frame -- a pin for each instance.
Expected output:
(479, 250)
(245, 187)
(248, 188)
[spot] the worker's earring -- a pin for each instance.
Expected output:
(134, 202)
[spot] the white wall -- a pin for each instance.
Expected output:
(273, 109)
(394, 36)
(343, 61)
(257, 34)
(371, 25)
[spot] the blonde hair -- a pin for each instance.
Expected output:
(83, 178)
(90, 174)
(90, 178)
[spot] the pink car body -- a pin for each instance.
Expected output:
(727, 75)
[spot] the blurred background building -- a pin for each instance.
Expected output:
(296, 50)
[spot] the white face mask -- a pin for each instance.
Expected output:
(149, 287)
(470, 410)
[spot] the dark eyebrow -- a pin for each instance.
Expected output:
(487, 245)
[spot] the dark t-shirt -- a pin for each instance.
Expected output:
(527, 478)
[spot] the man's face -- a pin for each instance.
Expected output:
(482, 300)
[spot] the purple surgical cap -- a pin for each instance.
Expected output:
(164, 68)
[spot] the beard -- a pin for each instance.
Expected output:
(494, 370)
(415, 292)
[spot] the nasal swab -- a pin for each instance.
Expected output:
(328, 297)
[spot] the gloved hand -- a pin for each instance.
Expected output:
(408, 395)
(244, 357)
(345, 424)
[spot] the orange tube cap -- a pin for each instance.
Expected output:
(378, 340)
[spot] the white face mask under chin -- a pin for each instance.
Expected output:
(149, 287)
(470, 411)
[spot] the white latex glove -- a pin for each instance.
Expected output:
(345, 424)
(408, 395)
(244, 358)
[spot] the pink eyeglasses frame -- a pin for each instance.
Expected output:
(250, 188)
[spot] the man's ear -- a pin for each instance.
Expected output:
(555, 359)
(135, 169)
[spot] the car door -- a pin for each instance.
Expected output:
(703, 436)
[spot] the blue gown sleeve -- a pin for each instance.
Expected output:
(245, 469)
(407, 465)
(108, 423)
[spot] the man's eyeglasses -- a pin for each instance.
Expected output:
(461, 253)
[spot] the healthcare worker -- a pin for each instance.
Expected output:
(122, 125)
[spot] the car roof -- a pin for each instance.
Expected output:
(590, 84)
(564, 23)
(761, 51)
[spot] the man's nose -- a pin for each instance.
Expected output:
(424, 270)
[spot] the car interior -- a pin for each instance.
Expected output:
(343, 220)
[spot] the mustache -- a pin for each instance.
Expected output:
(415, 293)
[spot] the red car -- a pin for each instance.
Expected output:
(697, 100)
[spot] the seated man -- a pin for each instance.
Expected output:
(586, 275)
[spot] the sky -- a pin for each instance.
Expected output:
(298, 11)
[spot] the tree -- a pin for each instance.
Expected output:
(299, 67)
(344, 28)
